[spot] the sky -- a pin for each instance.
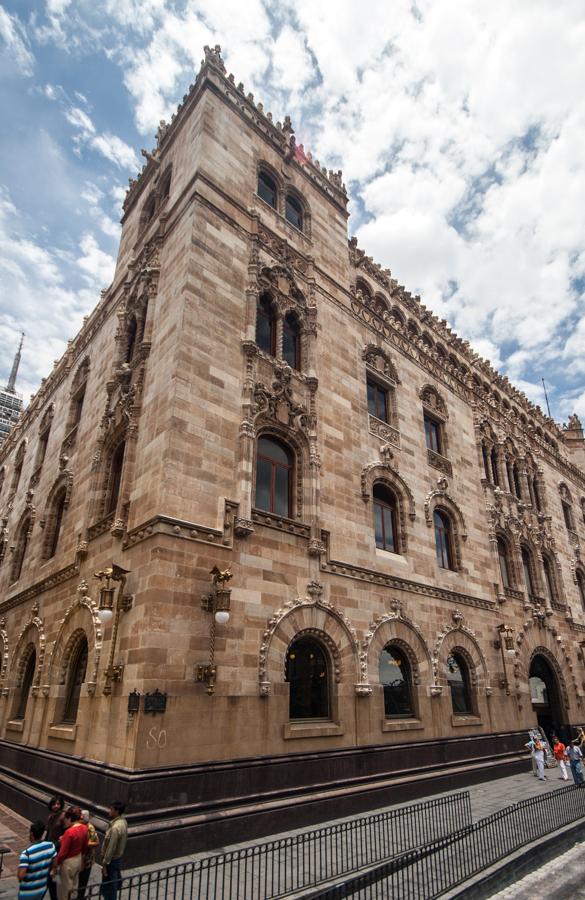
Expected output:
(459, 127)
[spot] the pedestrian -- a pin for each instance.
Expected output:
(34, 864)
(560, 755)
(71, 852)
(55, 829)
(536, 748)
(113, 850)
(539, 759)
(530, 746)
(93, 843)
(575, 757)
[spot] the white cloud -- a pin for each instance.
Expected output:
(97, 266)
(37, 296)
(16, 43)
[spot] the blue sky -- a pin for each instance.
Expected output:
(459, 128)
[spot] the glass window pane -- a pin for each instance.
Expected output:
(458, 681)
(267, 189)
(273, 450)
(293, 212)
(382, 404)
(388, 530)
(503, 564)
(395, 676)
(281, 491)
(306, 672)
(263, 484)
(379, 527)
(371, 398)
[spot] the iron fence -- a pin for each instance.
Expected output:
(300, 862)
(428, 872)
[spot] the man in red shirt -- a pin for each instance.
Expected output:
(560, 752)
(70, 857)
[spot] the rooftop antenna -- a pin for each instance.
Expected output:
(546, 398)
(11, 386)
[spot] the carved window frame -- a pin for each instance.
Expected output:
(434, 410)
(331, 654)
(21, 547)
(406, 652)
(282, 436)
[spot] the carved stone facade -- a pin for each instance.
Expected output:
(141, 450)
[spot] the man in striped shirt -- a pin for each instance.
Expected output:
(34, 865)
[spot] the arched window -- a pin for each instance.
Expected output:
(516, 482)
(567, 515)
(581, 587)
(486, 461)
(293, 212)
(291, 341)
(306, 672)
(165, 186)
(265, 325)
(385, 520)
(25, 685)
(494, 463)
(433, 436)
(458, 681)
(527, 568)
(549, 580)
(378, 404)
(267, 189)
(75, 678)
(115, 477)
(274, 477)
(503, 558)
(131, 339)
(20, 549)
(149, 209)
(443, 540)
(396, 677)
(56, 521)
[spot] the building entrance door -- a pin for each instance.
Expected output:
(545, 697)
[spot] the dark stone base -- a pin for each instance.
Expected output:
(180, 810)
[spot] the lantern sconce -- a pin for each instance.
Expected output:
(110, 607)
(505, 643)
(217, 602)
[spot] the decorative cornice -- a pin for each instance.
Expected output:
(40, 587)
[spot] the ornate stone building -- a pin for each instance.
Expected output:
(258, 421)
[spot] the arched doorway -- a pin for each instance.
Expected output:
(545, 696)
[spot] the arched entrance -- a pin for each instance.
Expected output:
(545, 696)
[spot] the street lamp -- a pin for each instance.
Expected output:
(110, 607)
(506, 645)
(217, 602)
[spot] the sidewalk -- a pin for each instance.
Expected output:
(486, 798)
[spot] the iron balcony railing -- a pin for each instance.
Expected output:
(300, 862)
(431, 871)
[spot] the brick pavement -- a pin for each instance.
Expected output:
(486, 798)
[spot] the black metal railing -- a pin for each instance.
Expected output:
(428, 872)
(302, 861)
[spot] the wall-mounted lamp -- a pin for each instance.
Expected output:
(217, 602)
(505, 644)
(110, 607)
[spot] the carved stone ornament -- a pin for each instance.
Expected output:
(316, 601)
(243, 527)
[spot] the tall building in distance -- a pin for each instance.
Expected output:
(10, 400)
(275, 544)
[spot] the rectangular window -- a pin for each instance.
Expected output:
(377, 401)
(433, 434)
